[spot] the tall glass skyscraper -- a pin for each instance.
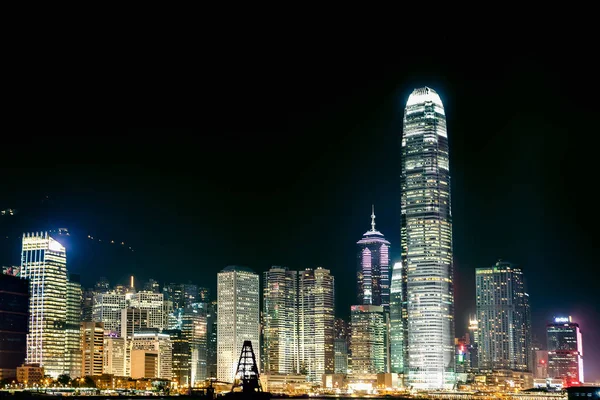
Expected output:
(503, 320)
(44, 262)
(426, 236)
(238, 318)
(316, 323)
(397, 320)
(73, 327)
(565, 351)
(280, 328)
(373, 271)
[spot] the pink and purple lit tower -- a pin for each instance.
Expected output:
(565, 351)
(373, 272)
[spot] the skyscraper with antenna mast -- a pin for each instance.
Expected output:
(373, 271)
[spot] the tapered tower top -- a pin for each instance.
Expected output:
(423, 95)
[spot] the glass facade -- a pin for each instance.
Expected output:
(503, 321)
(44, 263)
(211, 349)
(181, 357)
(316, 323)
(192, 322)
(73, 327)
(154, 303)
(14, 321)
(397, 320)
(565, 352)
(107, 309)
(426, 237)
(367, 340)
(280, 321)
(373, 272)
(238, 317)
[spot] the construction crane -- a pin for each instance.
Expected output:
(247, 377)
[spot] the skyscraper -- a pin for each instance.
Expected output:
(426, 236)
(107, 309)
(92, 348)
(191, 321)
(44, 262)
(397, 320)
(238, 317)
(280, 329)
(565, 351)
(114, 355)
(153, 302)
(341, 345)
(503, 321)
(373, 273)
(316, 322)
(211, 337)
(73, 327)
(14, 322)
(367, 341)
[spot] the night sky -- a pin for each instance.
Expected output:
(287, 157)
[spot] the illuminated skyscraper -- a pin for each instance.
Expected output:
(211, 337)
(373, 272)
(73, 327)
(280, 329)
(503, 321)
(107, 309)
(92, 348)
(565, 351)
(316, 322)
(114, 355)
(397, 320)
(154, 303)
(14, 322)
(192, 322)
(367, 341)
(238, 317)
(426, 236)
(44, 262)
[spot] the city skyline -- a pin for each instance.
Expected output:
(498, 132)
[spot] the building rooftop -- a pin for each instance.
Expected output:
(237, 268)
(423, 95)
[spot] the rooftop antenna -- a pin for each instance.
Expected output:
(372, 218)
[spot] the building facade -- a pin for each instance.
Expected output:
(565, 351)
(426, 238)
(280, 321)
(92, 348)
(192, 322)
(316, 323)
(238, 317)
(151, 355)
(73, 327)
(153, 303)
(181, 358)
(14, 323)
(44, 264)
(397, 320)
(107, 309)
(367, 341)
(373, 271)
(503, 320)
(211, 348)
(114, 355)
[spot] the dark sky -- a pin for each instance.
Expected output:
(289, 152)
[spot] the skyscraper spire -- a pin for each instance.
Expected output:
(372, 218)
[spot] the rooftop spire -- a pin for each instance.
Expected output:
(372, 218)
